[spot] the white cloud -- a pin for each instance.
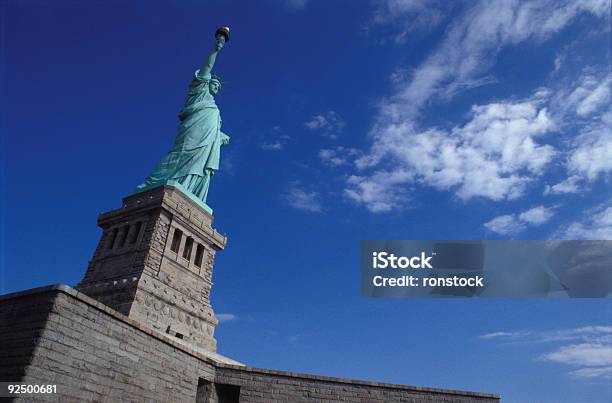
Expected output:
(599, 96)
(592, 152)
(494, 155)
(587, 347)
(495, 335)
(569, 185)
(226, 317)
(505, 225)
(537, 215)
(586, 354)
(329, 124)
(583, 110)
(590, 94)
(380, 192)
(559, 61)
(337, 156)
(597, 224)
(276, 141)
(317, 122)
(512, 224)
(585, 334)
(593, 372)
(303, 199)
(274, 146)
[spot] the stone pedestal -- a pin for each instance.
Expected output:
(154, 264)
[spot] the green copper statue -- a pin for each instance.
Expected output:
(194, 158)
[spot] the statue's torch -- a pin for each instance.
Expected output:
(222, 32)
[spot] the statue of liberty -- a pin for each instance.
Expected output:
(194, 158)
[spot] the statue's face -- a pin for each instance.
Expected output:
(214, 86)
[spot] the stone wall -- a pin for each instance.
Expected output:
(262, 385)
(56, 335)
(91, 353)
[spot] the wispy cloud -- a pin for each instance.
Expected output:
(590, 94)
(595, 224)
(338, 156)
(510, 335)
(582, 109)
(294, 5)
(588, 373)
(276, 141)
(590, 155)
(303, 199)
(226, 317)
(273, 146)
(587, 347)
(505, 146)
(300, 338)
(587, 334)
(472, 43)
(329, 124)
(400, 18)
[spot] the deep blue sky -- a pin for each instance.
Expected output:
(398, 119)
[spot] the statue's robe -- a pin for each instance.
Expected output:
(197, 147)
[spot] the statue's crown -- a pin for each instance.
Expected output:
(216, 77)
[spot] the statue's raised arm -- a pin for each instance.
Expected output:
(221, 37)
